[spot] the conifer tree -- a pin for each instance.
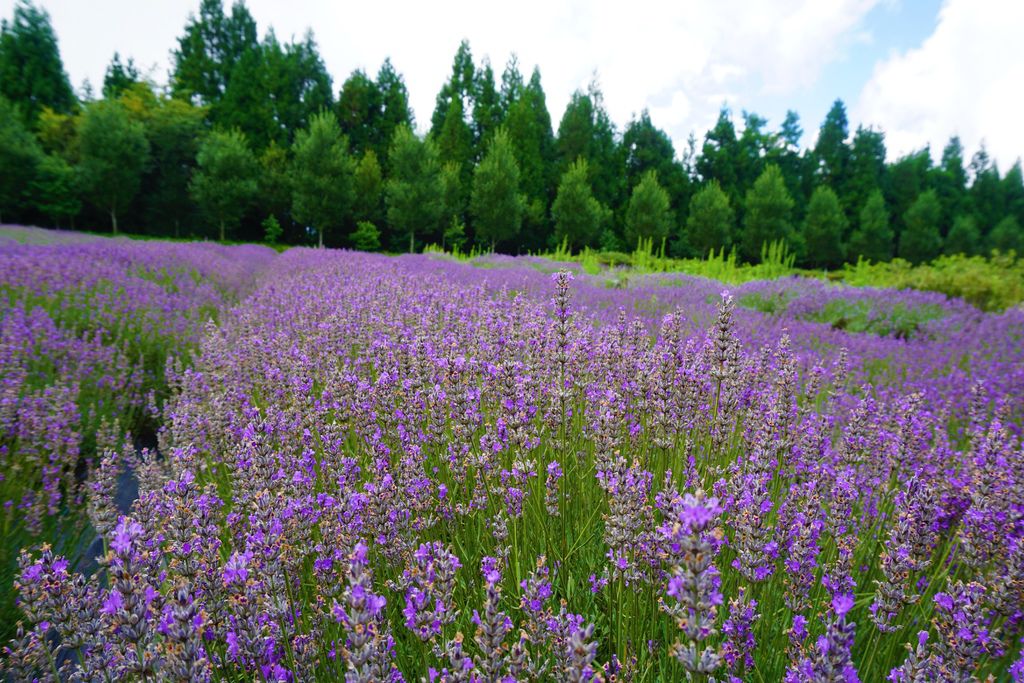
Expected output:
(824, 225)
(322, 188)
(920, 240)
(711, 221)
(873, 238)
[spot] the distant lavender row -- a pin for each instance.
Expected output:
(86, 328)
(388, 469)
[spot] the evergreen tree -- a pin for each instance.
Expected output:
(459, 86)
(986, 193)
(453, 199)
(920, 240)
(831, 153)
(824, 225)
(31, 71)
(274, 180)
(487, 114)
(211, 47)
(120, 76)
(867, 169)
(719, 156)
(950, 182)
(322, 177)
(368, 184)
(646, 149)
(1013, 192)
(587, 131)
(906, 179)
(766, 219)
(224, 183)
(366, 237)
(873, 238)
(752, 148)
(711, 221)
(413, 190)
(274, 92)
(1007, 236)
(529, 129)
(19, 155)
(395, 113)
(578, 216)
(360, 108)
(495, 204)
(455, 140)
(113, 154)
(54, 189)
(785, 153)
(649, 214)
(963, 237)
(512, 86)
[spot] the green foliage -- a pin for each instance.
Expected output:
(224, 183)
(368, 188)
(113, 155)
(920, 240)
(900, 321)
(31, 71)
(873, 237)
(991, 284)
(212, 45)
(322, 176)
(414, 191)
(1007, 236)
(767, 216)
(711, 221)
(54, 189)
(648, 215)
(496, 205)
(577, 214)
(120, 76)
(454, 236)
(366, 237)
(824, 226)
(272, 230)
(963, 237)
(19, 154)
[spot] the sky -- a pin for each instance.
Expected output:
(920, 70)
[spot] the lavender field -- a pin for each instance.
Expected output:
(360, 467)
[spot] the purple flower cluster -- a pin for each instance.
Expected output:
(375, 468)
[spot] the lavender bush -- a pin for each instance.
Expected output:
(381, 468)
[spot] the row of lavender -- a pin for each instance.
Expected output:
(384, 468)
(86, 329)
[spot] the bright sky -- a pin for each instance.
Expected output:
(919, 69)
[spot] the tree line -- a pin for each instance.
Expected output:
(248, 141)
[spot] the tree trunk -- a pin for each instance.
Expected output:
(412, 241)
(113, 220)
(222, 231)
(320, 238)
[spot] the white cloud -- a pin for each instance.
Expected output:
(965, 79)
(679, 58)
